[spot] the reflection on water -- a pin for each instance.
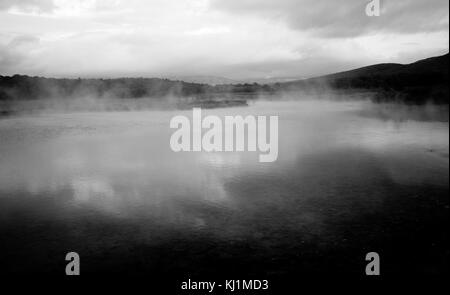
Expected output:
(108, 183)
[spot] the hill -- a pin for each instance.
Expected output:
(419, 82)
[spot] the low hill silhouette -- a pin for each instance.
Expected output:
(423, 81)
(416, 83)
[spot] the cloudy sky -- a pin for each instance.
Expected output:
(230, 38)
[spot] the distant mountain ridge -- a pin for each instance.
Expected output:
(429, 66)
(214, 80)
(210, 80)
(418, 82)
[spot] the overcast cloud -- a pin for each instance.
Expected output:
(346, 18)
(231, 38)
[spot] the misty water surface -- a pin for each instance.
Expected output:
(108, 186)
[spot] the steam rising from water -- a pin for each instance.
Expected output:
(90, 103)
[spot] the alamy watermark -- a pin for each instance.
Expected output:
(73, 267)
(212, 134)
(373, 267)
(373, 8)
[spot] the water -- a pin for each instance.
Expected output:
(108, 186)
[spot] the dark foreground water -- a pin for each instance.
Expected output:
(106, 185)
